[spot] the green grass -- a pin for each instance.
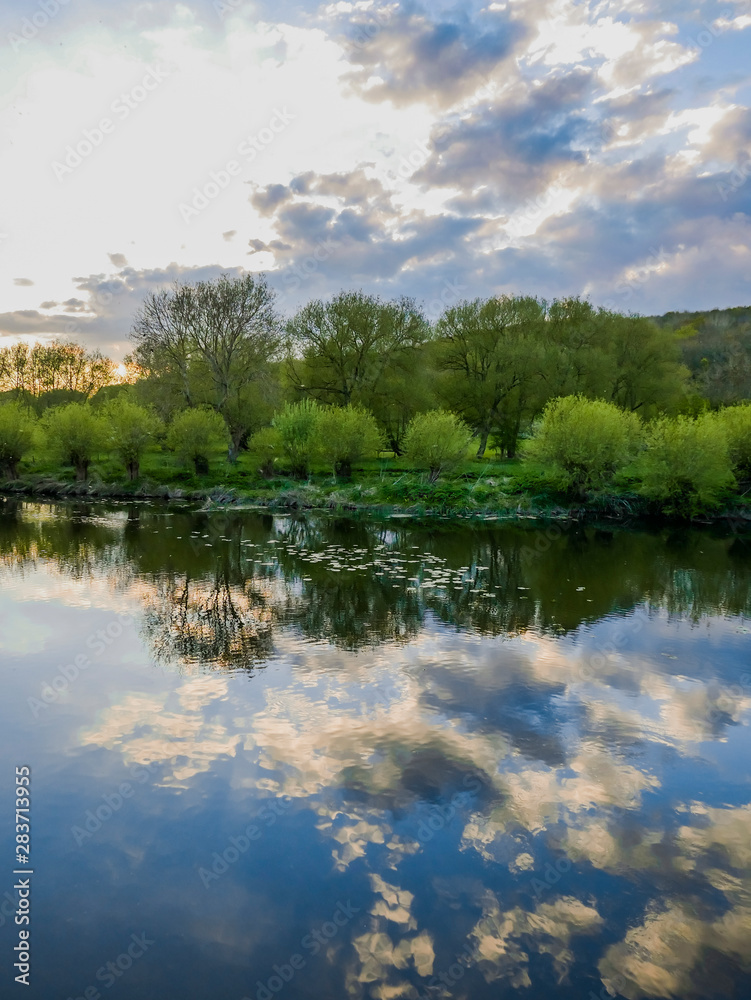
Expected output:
(476, 487)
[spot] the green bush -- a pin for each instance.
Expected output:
(297, 428)
(736, 421)
(345, 436)
(132, 430)
(584, 442)
(17, 431)
(686, 467)
(267, 444)
(75, 433)
(195, 435)
(437, 440)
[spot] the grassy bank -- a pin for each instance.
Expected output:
(503, 489)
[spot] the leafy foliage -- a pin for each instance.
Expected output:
(437, 440)
(585, 440)
(75, 433)
(17, 427)
(132, 430)
(297, 429)
(736, 422)
(686, 467)
(345, 435)
(195, 435)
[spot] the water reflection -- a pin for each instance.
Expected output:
(508, 758)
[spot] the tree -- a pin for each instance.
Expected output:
(210, 344)
(586, 441)
(345, 435)
(357, 349)
(297, 428)
(686, 467)
(132, 430)
(195, 435)
(57, 366)
(736, 422)
(437, 440)
(267, 444)
(16, 437)
(488, 350)
(75, 434)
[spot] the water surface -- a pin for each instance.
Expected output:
(307, 757)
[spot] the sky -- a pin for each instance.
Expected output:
(439, 151)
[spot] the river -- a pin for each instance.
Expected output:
(310, 757)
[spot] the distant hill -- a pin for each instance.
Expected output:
(717, 350)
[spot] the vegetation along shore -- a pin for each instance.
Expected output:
(502, 407)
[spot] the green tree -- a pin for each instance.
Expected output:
(489, 354)
(17, 431)
(585, 441)
(437, 441)
(212, 344)
(297, 426)
(736, 422)
(345, 435)
(132, 430)
(75, 434)
(686, 467)
(195, 435)
(267, 445)
(359, 350)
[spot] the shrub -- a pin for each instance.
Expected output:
(345, 436)
(297, 428)
(585, 442)
(686, 467)
(736, 422)
(437, 440)
(267, 444)
(194, 435)
(75, 434)
(16, 436)
(132, 429)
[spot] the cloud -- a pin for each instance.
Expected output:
(118, 259)
(402, 54)
(24, 282)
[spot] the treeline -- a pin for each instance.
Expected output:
(716, 348)
(49, 374)
(218, 366)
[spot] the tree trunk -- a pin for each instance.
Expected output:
(202, 465)
(235, 442)
(343, 469)
(483, 442)
(10, 468)
(82, 471)
(133, 470)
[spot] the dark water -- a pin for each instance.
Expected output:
(315, 758)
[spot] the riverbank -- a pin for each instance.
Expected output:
(403, 497)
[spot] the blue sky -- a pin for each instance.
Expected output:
(442, 151)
